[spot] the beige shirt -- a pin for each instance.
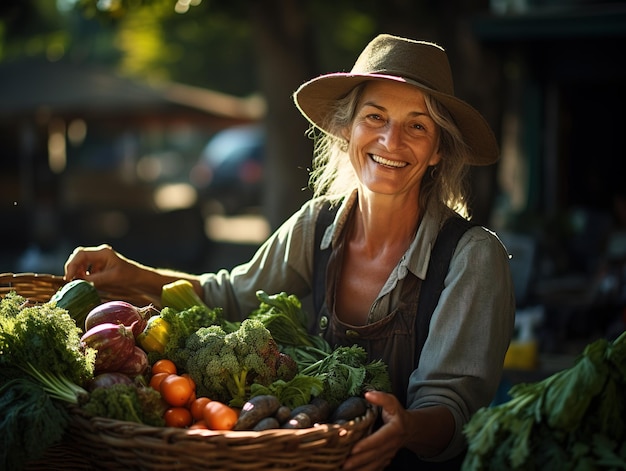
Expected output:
(461, 362)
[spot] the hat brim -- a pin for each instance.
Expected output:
(315, 100)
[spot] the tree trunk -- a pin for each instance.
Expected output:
(286, 60)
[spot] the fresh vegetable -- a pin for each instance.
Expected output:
(155, 336)
(136, 363)
(283, 316)
(164, 366)
(350, 409)
(282, 414)
(77, 297)
(255, 409)
(317, 414)
(104, 380)
(219, 416)
(156, 379)
(298, 391)
(178, 417)
(42, 365)
(114, 343)
(165, 334)
(30, 421)
(574, 419)
(298, 421)
(267, 423)
(128, 402)
(44, 342)
(180, 296)
(197, 407)
(120, 312)
(225, 365)
(176, 390)
(346, 372)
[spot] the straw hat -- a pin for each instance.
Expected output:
(419, 63)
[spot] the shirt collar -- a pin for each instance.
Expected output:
(417, 257)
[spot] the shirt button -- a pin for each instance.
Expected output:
(352, 333)
(323, 322)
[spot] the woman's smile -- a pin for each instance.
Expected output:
(387, 162)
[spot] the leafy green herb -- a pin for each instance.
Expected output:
(573, 419)
(44, 342)
(283, 316)
(30, 421)
(346, 372)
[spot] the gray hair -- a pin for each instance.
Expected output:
(332, 173)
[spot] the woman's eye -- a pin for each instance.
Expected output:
(374, 117)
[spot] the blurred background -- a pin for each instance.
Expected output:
(166, 128)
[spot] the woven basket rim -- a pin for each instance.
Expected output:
(39, 287)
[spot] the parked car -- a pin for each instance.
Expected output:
(230, 168)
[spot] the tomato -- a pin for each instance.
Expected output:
(178, 417)
(197, 407)
(190, 379)
(176, 390)
(164, 366)
(198, 425)
(219, 416)
(155, 380)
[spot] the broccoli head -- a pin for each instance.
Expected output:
(180, 325)
(224, 365)
(127, 402)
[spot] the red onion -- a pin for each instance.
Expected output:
(119, 312)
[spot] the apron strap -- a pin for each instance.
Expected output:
(432, 286)
(321, 257)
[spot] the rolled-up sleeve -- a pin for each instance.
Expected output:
(283, 263)
(470, 330)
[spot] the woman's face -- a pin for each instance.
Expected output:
(392, 139)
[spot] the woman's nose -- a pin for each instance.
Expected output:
(391, 136)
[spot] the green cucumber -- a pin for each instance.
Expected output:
(78, 298)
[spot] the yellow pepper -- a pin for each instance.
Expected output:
(180, 295)
(155, 336)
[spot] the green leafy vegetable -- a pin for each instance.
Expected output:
(293, 393)
(573, 419)
(30, 421)
(346, 372)
(44, 342)
(283, 316)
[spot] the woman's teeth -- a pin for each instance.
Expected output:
(389, 163)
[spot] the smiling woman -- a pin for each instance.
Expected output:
(392, 147)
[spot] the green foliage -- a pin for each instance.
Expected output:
(293, 393)
(346, 372)
(30, 420)
(224, 365)
(343, 372)
(283, 316)
(44, 341)
(573, 419)
(127, 402)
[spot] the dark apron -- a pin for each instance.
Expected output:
(389, 339)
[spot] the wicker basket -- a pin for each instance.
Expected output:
(38, 288)
(100, 443)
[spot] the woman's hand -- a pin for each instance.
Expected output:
(101, 265)
(426, 432)
(376, 451)
(111, 271)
